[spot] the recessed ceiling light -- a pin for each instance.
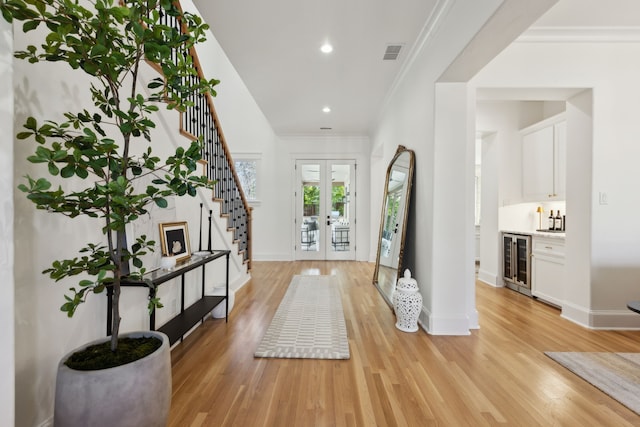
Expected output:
(326, 110)
(326, 48)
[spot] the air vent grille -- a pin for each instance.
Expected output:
(392, 52)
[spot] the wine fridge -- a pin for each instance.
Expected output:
(516, 258)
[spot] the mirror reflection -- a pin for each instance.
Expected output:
(395, 209)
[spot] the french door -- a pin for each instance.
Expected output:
(325, 210)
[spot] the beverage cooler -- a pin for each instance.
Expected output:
(516, 258)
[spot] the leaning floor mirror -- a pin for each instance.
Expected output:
(393, 222)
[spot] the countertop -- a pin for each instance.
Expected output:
(547, 234)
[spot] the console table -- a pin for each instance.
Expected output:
(189, 316)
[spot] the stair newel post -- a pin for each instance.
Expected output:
(209, 245)
(200, 231)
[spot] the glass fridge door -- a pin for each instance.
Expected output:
(522, 255)
(507, 250)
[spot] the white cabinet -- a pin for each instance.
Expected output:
(544, 160)
(547, 269)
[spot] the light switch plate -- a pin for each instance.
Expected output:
(603, 198)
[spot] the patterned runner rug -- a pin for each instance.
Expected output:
(309, 323)
(616, 374)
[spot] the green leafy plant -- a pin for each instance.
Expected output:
(96, 145)
(311, 195)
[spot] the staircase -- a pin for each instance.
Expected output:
(200, 121)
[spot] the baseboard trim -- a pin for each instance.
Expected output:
(615, 319)
(488, 277)
(601, 319)
(444, 325)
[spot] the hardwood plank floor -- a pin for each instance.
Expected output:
(498, 375)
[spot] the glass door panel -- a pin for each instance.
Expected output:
(522, 262)
(308, 207)
(341, 210)
(507, 245)
(325, 209)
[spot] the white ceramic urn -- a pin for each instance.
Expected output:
(407, 303)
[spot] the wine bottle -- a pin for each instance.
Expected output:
(558, 222)
(552, 221)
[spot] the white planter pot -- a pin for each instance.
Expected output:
(220, 310)
(136, 394)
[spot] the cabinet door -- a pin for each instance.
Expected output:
(537, 164)
(548, 278)
(560, 159)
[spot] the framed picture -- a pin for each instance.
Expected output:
(174, 240)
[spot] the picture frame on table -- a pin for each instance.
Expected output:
(174, 240)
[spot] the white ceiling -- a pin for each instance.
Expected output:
(275, 47)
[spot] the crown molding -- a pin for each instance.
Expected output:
(580, 35)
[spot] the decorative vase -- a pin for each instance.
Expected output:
(407, 303)
(135, 394)
(167, 262)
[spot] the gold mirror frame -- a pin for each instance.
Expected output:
(386, 276)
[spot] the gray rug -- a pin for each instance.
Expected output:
(616, 374)
(309, 323)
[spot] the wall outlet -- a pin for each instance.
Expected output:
(174, 306)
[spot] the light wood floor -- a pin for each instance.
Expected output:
(498, 375)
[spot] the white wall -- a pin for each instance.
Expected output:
(7, 336)
(501, 181)
(490, 183)
(443, 222)
(247, 130)
(502, 207)
(43, 333)
(611, 231)
(334, 147)
(378, 165)
(578, 246)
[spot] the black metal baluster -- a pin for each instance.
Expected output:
(198, 120)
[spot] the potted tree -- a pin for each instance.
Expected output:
(107, 146)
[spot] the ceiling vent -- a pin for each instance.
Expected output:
(392, 52)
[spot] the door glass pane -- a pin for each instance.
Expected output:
(340, 203)
(507, 243)
(523, 261)
(309, 232)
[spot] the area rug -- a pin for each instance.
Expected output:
(309, 323)
(616, 374)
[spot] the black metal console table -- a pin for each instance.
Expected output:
(188, 317)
